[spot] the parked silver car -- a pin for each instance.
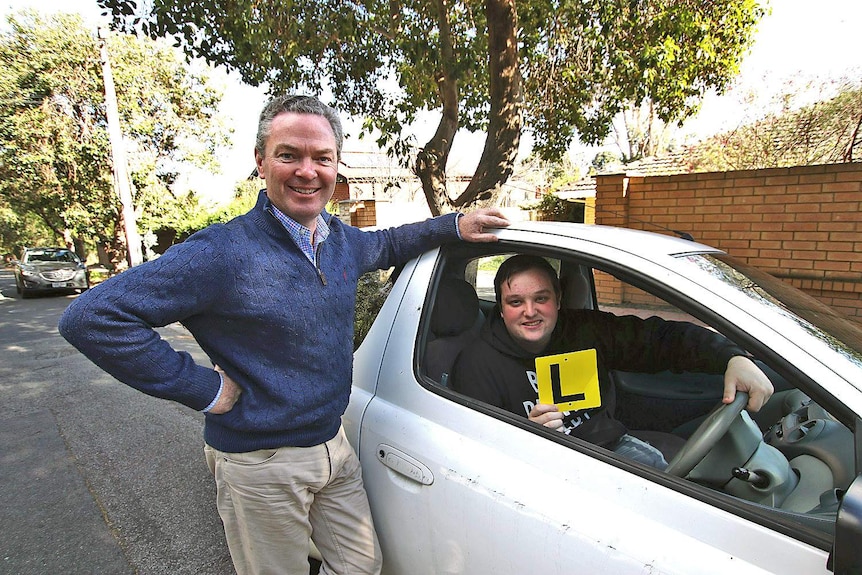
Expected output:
(459, 486)
(46, 270)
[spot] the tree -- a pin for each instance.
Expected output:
(561, 69)
(20, 230)
(823, 132)
(546, 176)
(642, 134)
(55, 162)
(604, 159)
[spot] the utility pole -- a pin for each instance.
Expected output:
(122, 183)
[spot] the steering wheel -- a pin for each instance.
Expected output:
(706, 436)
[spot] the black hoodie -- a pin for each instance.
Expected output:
(498, 371)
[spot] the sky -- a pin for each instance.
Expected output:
(799, 40)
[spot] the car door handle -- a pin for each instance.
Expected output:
(402, 463)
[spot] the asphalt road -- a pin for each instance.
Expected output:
(96, 477)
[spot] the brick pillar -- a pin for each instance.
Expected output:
(363, 214)
(612, 198)
(612, 209)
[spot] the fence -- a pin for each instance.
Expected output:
(801, 224)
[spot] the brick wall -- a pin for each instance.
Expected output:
(358, 213)
(802, 224)
(342, 190)
(364, 215)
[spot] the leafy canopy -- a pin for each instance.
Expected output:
(55, 157)
(561, 69)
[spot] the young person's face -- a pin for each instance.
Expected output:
(529, 308)
(300, 165)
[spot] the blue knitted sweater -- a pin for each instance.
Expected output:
(278, 326)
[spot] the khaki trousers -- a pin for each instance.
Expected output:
(272, 501)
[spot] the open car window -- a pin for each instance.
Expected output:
(788, 464)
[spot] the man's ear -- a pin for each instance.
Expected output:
(258, 160)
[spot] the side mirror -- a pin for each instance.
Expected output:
(846, 556)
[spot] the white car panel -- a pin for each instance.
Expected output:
(455, 490)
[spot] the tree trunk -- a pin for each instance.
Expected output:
(431, 160)
(504, 128)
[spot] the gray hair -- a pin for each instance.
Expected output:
(298, 105)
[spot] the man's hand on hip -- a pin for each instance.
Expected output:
(229, 394)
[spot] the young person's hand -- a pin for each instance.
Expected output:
(547, 415)
(743, 374)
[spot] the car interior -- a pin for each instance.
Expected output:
(792, 457)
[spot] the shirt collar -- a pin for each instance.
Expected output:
(300, 234)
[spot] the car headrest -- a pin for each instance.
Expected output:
(455, 308)
(576, 292)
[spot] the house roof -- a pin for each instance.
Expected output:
(585, 188)
(666, 165)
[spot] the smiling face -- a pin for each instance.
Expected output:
(300, 165)
(529, 307)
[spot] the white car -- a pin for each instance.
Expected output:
(458, 486)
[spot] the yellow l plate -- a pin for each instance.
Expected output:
(569, 380)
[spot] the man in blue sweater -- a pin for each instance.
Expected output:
(269, 297)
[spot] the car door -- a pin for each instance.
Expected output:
(460, 487)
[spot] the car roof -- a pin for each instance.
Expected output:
(638, 242)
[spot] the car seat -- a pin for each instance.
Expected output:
(455, 321)
(577, 293)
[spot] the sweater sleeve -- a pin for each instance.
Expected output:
(629, 343)
(382, 249)
(113, 323)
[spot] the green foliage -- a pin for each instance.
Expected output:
(18, 231)
(98, 275)
(825, 132)
(372, 289)
(492, 263)
(55, 157)
(362, 47)
(580, 63)
(586, 60)
(604, 159)
(548, 176)
(555, 209)
(54, 145)
(185, 216)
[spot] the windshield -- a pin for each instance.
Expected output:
(786, 304)
(50, 256)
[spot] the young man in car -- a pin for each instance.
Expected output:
(269, 297)
(499, 367)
